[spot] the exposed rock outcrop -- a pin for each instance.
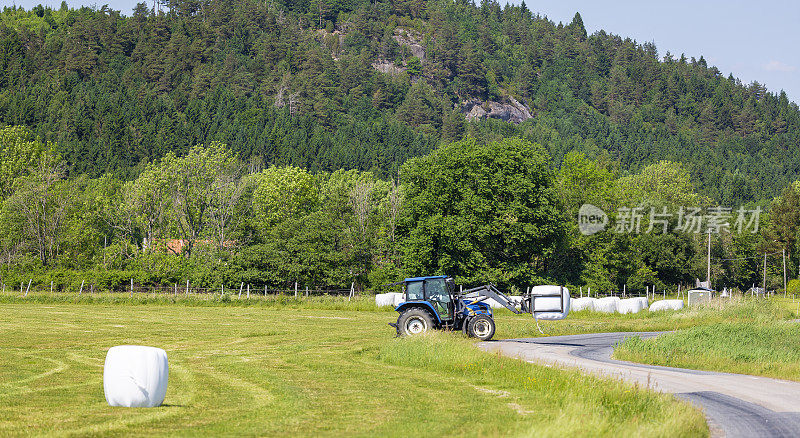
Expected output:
(509, 111)
(388, 67)
(410, 39)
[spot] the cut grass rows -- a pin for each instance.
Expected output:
(301, 371)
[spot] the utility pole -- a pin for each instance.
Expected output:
(708, 266)
(765, 275)
(784, 272)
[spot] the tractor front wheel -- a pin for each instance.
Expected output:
(465, 326)
(414, 321)
(481, 327)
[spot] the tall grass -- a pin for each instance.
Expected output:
(559, 402)
(748, 337)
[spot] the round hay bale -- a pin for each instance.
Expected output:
(586, 303)
(135, 376)
(550, 307)
(629, 305)
(607, 304)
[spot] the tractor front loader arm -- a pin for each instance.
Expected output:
(487, 291)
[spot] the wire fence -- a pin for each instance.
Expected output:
(243, 290)
(247, 290)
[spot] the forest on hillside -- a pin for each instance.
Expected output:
(330, 84)
(330, 143)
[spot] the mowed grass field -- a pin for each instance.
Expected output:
(303, 369)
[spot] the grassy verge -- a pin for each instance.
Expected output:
(752, 337)
(745, 310)
(296, 371)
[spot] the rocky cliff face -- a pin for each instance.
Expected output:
(510, 111)
(410, 39)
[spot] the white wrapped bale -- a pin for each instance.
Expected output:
(585, 303)
(644, 302)
(659, 306)
(399, 298)
(629, 305)
(666, 305)
(607, 304)
(675, 304)
(135, 376)
(385, 299)
(550, 307)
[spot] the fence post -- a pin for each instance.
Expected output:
(306, 291)
(29, 287)
(187, 288)
(131, 287)
(240, 289)
(265, 291)
(81, 291)
(248, 291)
(51, 287)
(295, 289)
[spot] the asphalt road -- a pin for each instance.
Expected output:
(735, 405)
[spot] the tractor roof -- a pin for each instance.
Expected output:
(412, 279)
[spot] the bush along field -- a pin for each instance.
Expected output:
(322, 366)
(756, 337)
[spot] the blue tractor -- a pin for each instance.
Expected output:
(434, 303)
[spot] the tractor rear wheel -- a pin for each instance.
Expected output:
(414, 321)
(481, 327)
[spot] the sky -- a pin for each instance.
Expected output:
(754, 40)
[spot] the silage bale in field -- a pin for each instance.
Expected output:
(666, 305)
(675, 304)
(644, 302)
(629, 305)
(607, 304)
(135, 376)
(399, 298)
(386, 299)
(585, 303)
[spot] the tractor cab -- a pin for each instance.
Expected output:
(436, 293)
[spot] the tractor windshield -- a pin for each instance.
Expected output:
(438, 295)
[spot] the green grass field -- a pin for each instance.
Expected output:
(319, 367)
(752, 337)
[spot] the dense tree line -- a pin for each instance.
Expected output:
(480, 211)
(325, 142)
(293, 83)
